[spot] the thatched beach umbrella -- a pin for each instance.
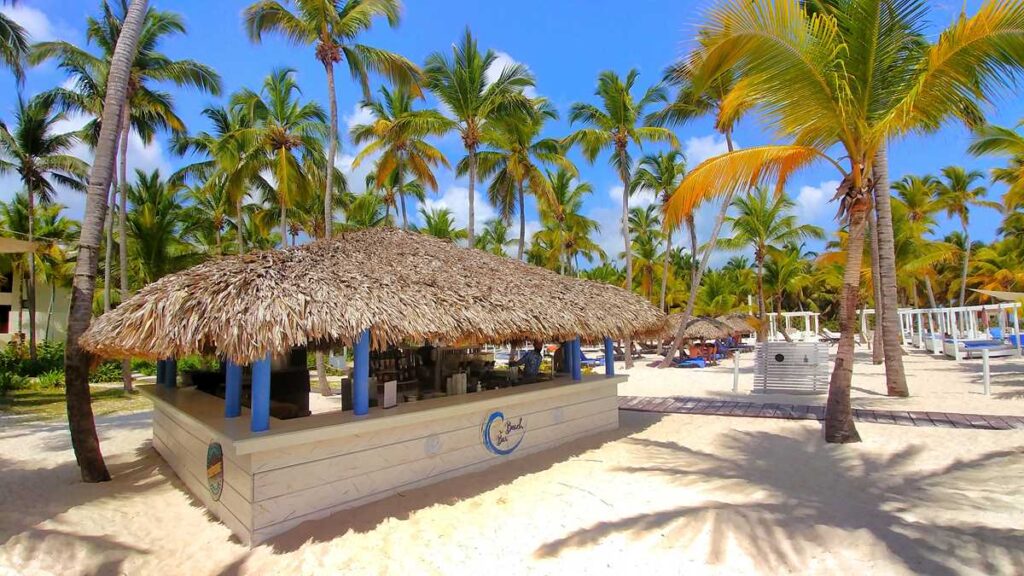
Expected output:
(402, 286)
(700, 328)
(739, 322)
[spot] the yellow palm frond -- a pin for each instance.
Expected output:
(739, 170)
(736, 103)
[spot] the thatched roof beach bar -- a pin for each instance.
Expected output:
(403, 302)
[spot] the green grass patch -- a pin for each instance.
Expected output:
(39, 403)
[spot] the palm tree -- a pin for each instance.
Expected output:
(956, 194)
(398, 134)
(366, 210)
(13, 45)
(916, 194)
(854, 75)
(231, 164)
(1004, 142)
(661, 173)
(566, 234)
(41, 158)
(514, 162)
(440, 223)
(615, 127)
(287, 130)
(762, 223)
(334, 28)
(76, 361)
(146, 105)
(461, 84)
(160, 227)
(727, 102)
(494, 237)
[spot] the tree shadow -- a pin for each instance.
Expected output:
(786, 492)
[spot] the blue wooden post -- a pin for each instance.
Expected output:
(361, 372)
(609, 357)
(233, 390)
(171, 378)
(567, 357)
(260, 395)
(161, 368)
(577, 364)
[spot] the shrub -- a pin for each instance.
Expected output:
(144, 367)
(51, 379)
(193, 363)
(11, 381)
(106, 372)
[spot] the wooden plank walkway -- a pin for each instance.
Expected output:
(712, 407)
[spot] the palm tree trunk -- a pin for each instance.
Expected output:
(778, 310)
(111, 197)
(282, 194)
(522, 223)
(624, 174)
(84, 440)
(878, 347)
(895, 374)
(967, 261)
(122, 227)
(664, 270)
(839, 425)
(694, 248)
(31, 275)
(470, 229)
(762, 327)
(240, 225)
(931, 302)
(332, 151)
(691, 301)
(401, 196)
(49, 310)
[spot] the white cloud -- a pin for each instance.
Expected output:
(456, 199)
(609, 236)
(502, 61)
(34, 21)
(811, 201)
(359, 115)
(700, 148)
(641, 198)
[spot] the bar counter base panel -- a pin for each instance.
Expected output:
(309, 468)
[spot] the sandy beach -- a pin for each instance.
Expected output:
(664, 494)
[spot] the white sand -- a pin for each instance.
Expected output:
(663, 495)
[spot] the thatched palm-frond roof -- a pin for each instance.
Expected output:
(739, 322)
(698, 328)
(404, 287)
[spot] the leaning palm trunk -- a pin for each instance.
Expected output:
(664, 271)
(49, 311)
(839, 425)
(878, 349)
(691, 300)
(932, 321)
(778, 309)
(122, 227)
(31, 277)
(895, 375)
(76, 360)
(694, 248)
(321, 375)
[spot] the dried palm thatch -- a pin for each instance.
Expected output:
(699, 328)
(402, 286)
(739, 322)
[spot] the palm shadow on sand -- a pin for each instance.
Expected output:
(787, 488)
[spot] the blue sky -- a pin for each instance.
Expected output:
(565, 43)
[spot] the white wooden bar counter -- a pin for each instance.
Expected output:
(308, 468)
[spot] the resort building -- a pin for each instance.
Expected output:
(52, 304)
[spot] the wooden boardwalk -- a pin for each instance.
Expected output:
(712, 407)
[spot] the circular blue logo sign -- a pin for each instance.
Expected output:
(503, 435)
(215, 470)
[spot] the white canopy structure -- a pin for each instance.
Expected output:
(961, 330)
(808, 321)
